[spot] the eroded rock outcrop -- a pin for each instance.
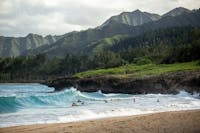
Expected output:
(164, 83)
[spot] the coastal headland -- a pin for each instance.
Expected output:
(167, 83)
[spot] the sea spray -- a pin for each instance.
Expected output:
(23, 104)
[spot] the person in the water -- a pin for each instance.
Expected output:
(158, 100)
(79, 101)
(74, 104)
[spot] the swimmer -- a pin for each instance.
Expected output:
(74, 104)
(105, 101)
(78, 101)
(158, 100)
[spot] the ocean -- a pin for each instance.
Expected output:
(24, 104)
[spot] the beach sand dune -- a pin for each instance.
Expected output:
(166, 122)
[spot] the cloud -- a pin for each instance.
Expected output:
(20, 17)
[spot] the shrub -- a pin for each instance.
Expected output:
(142, 61)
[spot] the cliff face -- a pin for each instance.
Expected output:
(170, 83)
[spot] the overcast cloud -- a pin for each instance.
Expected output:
(20, 17)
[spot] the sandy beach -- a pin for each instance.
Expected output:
(166, 122)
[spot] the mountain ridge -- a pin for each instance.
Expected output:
(79, 42)
(176, 11)
(113, 28)
(15, 46)
(134, 18)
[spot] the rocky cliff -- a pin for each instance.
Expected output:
(169, 83)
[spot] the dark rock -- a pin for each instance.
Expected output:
(169, 83)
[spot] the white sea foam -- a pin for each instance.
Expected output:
(37, 108)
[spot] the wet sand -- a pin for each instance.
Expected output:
(166, 122)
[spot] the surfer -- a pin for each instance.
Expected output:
(78, 101)
(134, 100)
(105, 101)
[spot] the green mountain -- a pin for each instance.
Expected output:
(169, 36)
(170, 45)
(176, 12)
(133, 18)
(72, 41)
(185, 19)
(15, 46)
(95, 40)
(101, 45)
(78, 42)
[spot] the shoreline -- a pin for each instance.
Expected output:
(170, 121)
(23, 82)
(166, 83)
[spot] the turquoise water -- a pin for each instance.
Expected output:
(23, 104)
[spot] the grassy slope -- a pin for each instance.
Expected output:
(99, 46)
(133, 70)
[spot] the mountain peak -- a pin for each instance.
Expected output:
(134, 18)
(176, 11)
(137, 11)
(32, 35)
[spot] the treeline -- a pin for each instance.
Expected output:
(171, 45)
(170, 36)
(165, 46)
(40, 67)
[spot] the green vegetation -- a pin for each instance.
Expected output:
(100, 45)
(102, 38)
(15, 46)
(134, 18)
(167, 46)
(81, 43)
(130, 44)
(133, 70)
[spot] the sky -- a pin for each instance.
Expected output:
(57, 17)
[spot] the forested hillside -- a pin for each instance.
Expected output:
(169, 45)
